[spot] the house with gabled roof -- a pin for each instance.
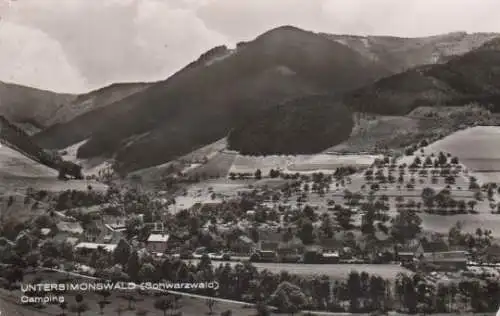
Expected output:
(435, 254)
(157, 243)
(243, 244)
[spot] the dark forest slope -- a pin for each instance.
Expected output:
(303, 126)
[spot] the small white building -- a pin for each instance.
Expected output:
(157, 243)
(72, 241)
(70, 227)
(95, 246)
(45, 231)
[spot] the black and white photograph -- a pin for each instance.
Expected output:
(249, 157)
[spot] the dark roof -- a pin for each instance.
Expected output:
(412, 246)
(448, 260)
(291, 244)
(447, 256)
(330, 243)
(266, 234)
(434, 246)
(268, 245)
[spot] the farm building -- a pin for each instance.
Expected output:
(431, 247)
(267, 250)
(417, 248)
(448, 260)
(291, 250)
(243, 245)
(313, 254)
(433, 254)
(331, 256)
(115, 224)
(157, 243)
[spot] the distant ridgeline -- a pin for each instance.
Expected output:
(15, 138)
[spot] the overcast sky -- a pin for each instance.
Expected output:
(77, 45)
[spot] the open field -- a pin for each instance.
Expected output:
(209, 160)
(335, 271)
(203, 192)
(471, 222)
(15, 164)
(18, 172)
(218, 165)
(89, 166)
(367, 133)
(8, 307)
(477, 148)
(189, 307)
(18, 185)
(9, 303)
(326, 163)
(330, 162)
(249, 164)
(472, 144)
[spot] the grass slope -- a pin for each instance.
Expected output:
(16, 138)
(12, 163)
(19, 172)
(33, 109)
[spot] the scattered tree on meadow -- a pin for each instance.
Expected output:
(102, 305)
(80, 306)
(405, 226)
(258, 174)
(163, 304)
(306, 232)
(63, 306)
(288, 298)
(122, 252)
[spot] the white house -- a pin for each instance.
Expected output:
(45, 231)
(70, 227)
(95, 246)
(157, 242)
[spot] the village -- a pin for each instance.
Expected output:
(337, 224)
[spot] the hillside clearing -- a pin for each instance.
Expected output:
(18, 172)
(369, 132)
(15, 164)
(89, 166)
(326, 163)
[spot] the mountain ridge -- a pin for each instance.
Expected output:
(266, 71)
(400, 53)
(226, 88)
(472, 77)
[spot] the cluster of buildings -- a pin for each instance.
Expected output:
(433, 255)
